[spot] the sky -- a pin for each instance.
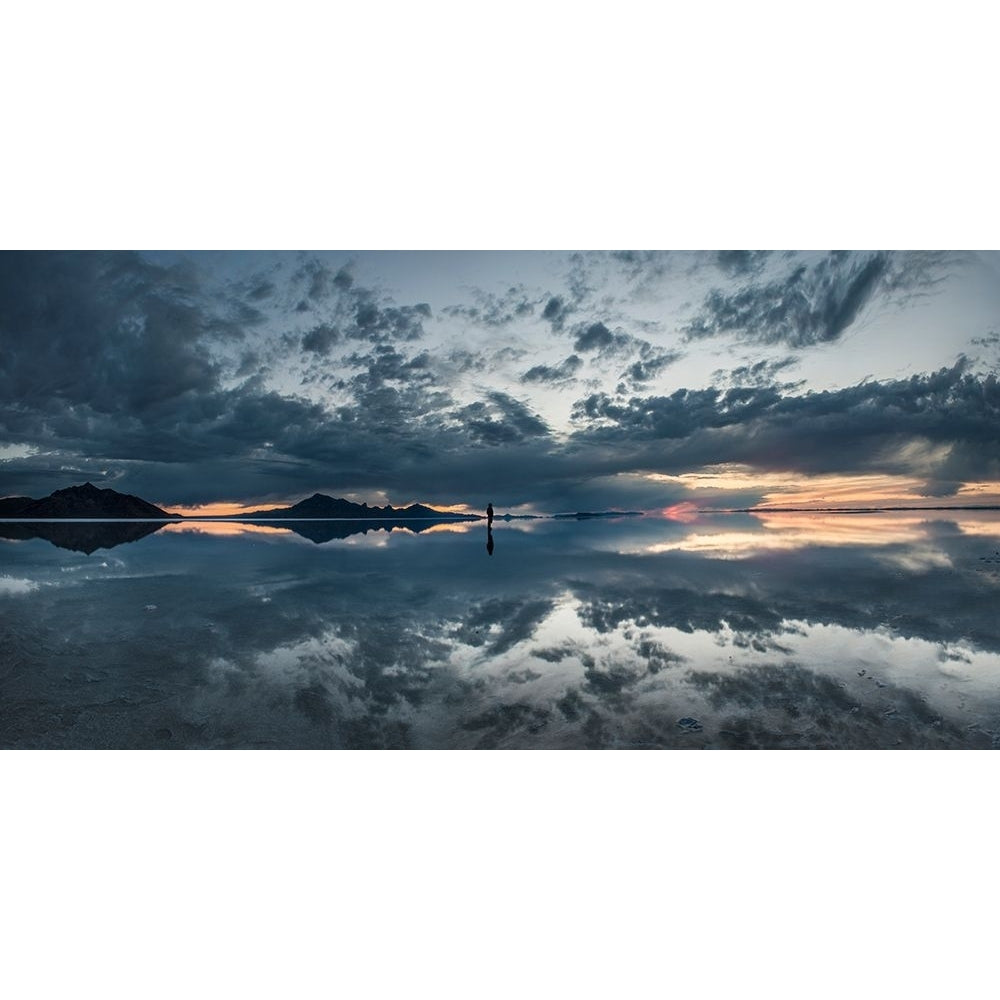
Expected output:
(539, 381)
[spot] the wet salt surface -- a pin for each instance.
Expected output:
(736, 631)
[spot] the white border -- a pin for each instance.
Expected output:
(545, 125)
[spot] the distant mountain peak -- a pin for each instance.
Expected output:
(89, 500)
(321, 506)
(87, 487)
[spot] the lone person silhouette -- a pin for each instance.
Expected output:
(489, 514)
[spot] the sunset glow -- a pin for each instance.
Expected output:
(227, 528)
(800, 530)
(684, 512)
(223, 509)
(453, 527)
(787, 489)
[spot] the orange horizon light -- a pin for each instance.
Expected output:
(685, 512)
(222, 509)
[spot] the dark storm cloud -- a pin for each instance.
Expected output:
(609, 285)
(211, 426)
(649, 366)
(501, 419)
(595, 337)
(759, 374)
(261, 289)
(599, 340)
(356, 312)
(496, 311)
(387, 364)
(398, 432)
(379, 324)
(250, 364)
(642, 264)
(519, 415)
(116, 358)
(741, 262)
(320, 339)
(556, 311)
(810, 305)
(343, 279)
(865, 426)
(915, 273)
(319, 281)
(566, 369)
(463, 361)
(672, 417)
(98, 336)
(122, 371)
(991, 343)
(445, 455)
(590, 287)
(597, 277)
(109, 355)
(394, 428)
(814, 303)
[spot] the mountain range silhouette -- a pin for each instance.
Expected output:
(319, 505)
(83, 501)
(89, 501)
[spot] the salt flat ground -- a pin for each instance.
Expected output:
(732, 631)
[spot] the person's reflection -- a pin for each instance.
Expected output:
(489, 539)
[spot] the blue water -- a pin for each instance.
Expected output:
(727, 631)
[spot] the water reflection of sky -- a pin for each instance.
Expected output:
(716, 631)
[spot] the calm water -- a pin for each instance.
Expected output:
(729, 631)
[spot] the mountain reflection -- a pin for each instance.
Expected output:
(318, 531)
(80, 536)
(89, 536)
(577, 637)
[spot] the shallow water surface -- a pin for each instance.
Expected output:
(718, 631)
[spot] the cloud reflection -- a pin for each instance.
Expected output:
(877, 638)
(226, 529)
(777, 531)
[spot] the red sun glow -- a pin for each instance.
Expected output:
(685, 512)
